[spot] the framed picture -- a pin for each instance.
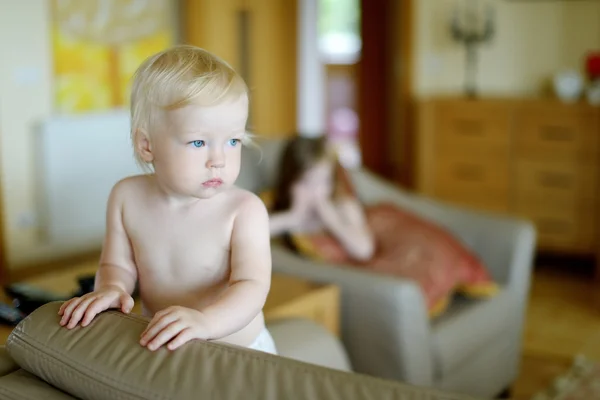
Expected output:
(98, 44)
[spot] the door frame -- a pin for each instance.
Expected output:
(384, 86)
(3, 259)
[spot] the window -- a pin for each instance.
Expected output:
(339, 31)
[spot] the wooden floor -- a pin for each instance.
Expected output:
(563, 320)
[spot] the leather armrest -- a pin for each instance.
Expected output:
(105, 361)
(7, 364)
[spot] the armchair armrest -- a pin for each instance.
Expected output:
(385, 325)
(506, 245)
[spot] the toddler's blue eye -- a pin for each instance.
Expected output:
(234, 142)
(198, 143)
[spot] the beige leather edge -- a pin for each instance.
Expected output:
(7, 364)
(105, 361)
(21, 385)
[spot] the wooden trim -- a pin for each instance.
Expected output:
(372, 85)
(26, 272)
(385, 88)
(403, 123)
(3, 259)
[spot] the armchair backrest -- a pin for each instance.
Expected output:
(260, 164)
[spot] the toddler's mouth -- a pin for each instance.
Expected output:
(215, 182)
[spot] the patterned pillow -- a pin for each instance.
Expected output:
(409, 247)
(413, 248)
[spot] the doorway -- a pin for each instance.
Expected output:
(366, 49)
(340, 46)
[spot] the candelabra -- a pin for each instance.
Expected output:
(474, 30)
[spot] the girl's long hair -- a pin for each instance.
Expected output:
(300, 153)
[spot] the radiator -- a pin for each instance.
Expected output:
(80, 158)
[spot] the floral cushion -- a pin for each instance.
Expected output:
(410, 247)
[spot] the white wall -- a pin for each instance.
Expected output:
(311, 72)
(25, 99)
(534, 40)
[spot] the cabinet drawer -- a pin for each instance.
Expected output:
(557, 134)
(555, 186)
(473, 182)
(565, 231)
(464, 128)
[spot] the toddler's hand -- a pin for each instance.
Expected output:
(91, 304)
(181, 324)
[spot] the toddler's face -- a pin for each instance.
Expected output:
(198, 151)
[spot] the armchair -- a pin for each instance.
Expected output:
(474, 347)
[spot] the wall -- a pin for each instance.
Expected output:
(25, 99)
(534, 39)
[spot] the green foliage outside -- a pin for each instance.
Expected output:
(339, 16)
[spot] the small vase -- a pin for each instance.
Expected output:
(593, 93)
(568, 85)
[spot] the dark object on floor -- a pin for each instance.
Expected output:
(10, 315)
(86, 285)
(27, 298)
(506, 393)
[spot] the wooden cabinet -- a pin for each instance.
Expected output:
(258, 38)
(536, 159)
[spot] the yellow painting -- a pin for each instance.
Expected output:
(97, 46)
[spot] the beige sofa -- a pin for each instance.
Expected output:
(474, 347)
(104, 361)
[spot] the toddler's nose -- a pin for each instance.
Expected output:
(215, 163)
(216, 159)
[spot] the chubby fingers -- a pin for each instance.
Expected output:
(156, 326)
(182, 338)
(79, 311)
(168, 333)
(95, 307)
(67, 309)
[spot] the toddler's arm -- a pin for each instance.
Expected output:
(116, 276)
(250, 277)
(117, 265)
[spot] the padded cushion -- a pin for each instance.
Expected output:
(7, 364)
(412, 248)
(305, 340)
(24, 386)
(104, 361)
(488, 320)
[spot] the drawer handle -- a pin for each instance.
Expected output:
(555, 180)
(557, 134)
(469, 172)
(469, 128)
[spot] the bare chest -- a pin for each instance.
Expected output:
(183, 249)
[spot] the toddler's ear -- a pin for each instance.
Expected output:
(143, 145)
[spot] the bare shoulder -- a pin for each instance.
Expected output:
(131, 186)
(248, 202)
(250, 222)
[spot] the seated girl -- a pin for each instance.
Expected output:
(314, 200)
(309, 198)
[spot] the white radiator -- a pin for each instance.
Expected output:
(80, 158)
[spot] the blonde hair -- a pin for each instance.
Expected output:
(175, 78)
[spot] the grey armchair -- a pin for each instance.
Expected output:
(474, 347)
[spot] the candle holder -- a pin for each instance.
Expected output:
(475, 29)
